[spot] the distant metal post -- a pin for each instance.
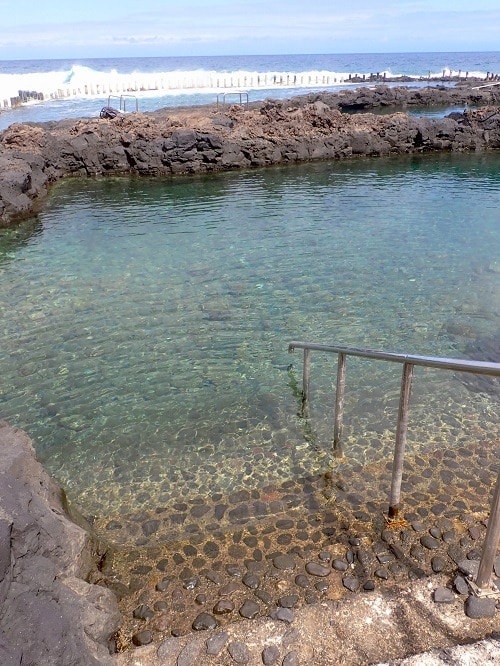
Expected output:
(491, 541)
(339, 406)
(399, 452)
(306, 379)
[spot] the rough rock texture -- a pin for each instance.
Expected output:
(205, 139)
(49, 615)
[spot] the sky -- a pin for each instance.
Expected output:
(95, 28)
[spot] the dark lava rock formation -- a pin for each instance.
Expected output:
(48, 613)
(205, 139)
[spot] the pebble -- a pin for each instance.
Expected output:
(191, 583)
(270, 655)
(438, 564)
(350, 583)
(382, 573)
(417, 552)
(239, 652)
(204, 621)
(322, 586)
(339, 565)
(143, 612)
(468, 567)
(283, 614)
(150, 527)
(216, 643)
(461, 585)
(142, 638)
(449, 536)
(429, 542)
(251, 580)
(418, 526)
(480, 608)
(229, 588)
(355, 541)
(316, 569)
(264, 596)
(249, 609)
(214, 577)
(162, 585)
(474, 532)
(291, 659)
(233, 570)
(288, 601)
(349, 555)
(369, 586)
(397, 568)
(160, 606)
(435, 532)
(385, 558)
(442, 595)
(302, 581)
(325, 556)
(223, 607)
(284, 562)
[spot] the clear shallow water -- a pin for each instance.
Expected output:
(145, 323)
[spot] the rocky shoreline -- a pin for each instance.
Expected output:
(194, 140)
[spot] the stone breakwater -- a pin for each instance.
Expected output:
(207, 139)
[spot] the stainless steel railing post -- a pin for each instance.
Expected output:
(492, 538)
(306, 380)
(399, 451)
(339, 405)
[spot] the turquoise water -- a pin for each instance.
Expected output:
(145, 323)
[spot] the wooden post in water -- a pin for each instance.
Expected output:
(339, 406)
(399, 452)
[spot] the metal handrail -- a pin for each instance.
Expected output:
(123, 101)
(483, 579)
(243, 96)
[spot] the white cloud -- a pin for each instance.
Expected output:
(216, 27)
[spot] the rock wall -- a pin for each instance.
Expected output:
(205, 139)
(49, 615)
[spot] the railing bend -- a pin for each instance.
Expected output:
(409, 361)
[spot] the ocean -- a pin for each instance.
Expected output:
(81, 87)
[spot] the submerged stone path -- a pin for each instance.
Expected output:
(328, 547)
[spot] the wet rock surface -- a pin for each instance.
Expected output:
(195, 140)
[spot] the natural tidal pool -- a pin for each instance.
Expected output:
(145, 322)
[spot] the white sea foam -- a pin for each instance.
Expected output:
(81, 81)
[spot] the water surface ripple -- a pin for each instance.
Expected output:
(145, 322)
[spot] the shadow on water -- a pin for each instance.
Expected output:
(483, 349)
(303, 411)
